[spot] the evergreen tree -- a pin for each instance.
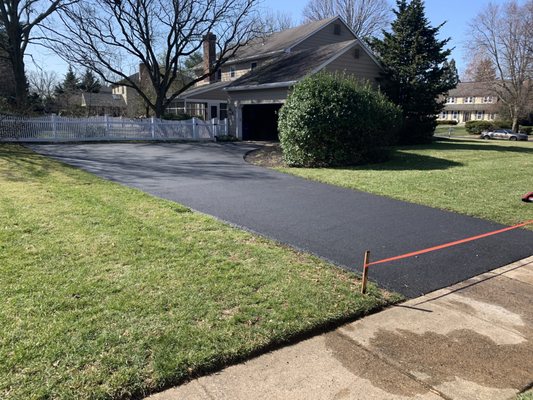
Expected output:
(70, 83)
(89, 83)
(417, 73)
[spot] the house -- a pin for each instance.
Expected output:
(251, 87)
(471, 101)
(105, 102)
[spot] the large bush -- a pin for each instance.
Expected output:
(476, 127)
(333, 120)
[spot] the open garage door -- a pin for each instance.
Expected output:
(260, 122)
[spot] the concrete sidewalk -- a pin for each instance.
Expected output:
(473, 340)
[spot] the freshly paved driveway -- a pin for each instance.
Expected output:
(335, 223)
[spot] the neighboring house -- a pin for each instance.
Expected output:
(104, 102)
(251, 87)
(471, 101)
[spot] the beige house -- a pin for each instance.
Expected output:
(251, 87)
(471, 101)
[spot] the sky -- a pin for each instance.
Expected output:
(456, 13)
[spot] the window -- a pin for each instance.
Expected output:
(444, 115)
(253, 65)
(356, 53)
(232, 71)
(223, 111)
(337, 29)
(480, 114)
(470, 100)
(214, 112)
(219, 74)
(455, 115)
(487, 99)
(450, 100)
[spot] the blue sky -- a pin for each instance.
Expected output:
(456, 13)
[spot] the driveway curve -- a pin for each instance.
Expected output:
(334, 223)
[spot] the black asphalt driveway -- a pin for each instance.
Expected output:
(335, 223)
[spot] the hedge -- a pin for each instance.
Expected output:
(334, 120)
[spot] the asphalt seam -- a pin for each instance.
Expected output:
(395, 365)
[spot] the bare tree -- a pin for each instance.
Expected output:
(18, 18)
(367, 18)
(504, 34)
(110, 36)
(43, 84)
(276, 21)
(480, 68)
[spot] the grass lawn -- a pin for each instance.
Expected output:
(109, 293)
(525, 396)
(457, 130)
(480, 178)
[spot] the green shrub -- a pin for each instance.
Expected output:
(502, 124)
(333, 120)
(526, 129)
(177, 117)
(476, 127)
(447, 122)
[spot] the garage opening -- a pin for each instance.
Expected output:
(260, 122)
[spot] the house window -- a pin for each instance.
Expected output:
(232, 71)
(492, 117)
(356, 54)
(337, 29)
(455, 115)
(470, 100)
(223, 110)
(480, 114)
(214, 112)
(253, 66)
(450, 100)
(219, 74)
(487, 99)
(444, 115)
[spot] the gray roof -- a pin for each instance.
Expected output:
(488, 107)
(474, 89)
(293, 66)
(202, 89)
(278, 41)
(103, 100)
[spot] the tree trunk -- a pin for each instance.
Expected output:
(17, 63)
(515, 126)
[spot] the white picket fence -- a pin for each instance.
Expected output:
(54, 128)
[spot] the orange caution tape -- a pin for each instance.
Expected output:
(443, 246)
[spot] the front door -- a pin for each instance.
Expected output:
(467, 116)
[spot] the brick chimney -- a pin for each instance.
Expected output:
(210, 54)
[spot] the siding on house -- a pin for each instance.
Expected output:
(362, 67)
(240, 70)
(259, 96)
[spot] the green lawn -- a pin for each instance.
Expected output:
(456, 130)
(480, 178)
(109, 293)
(525, 396)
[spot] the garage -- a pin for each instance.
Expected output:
(260, 121)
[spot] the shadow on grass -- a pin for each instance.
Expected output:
(25, 165)
(400, 161)
(473, 144)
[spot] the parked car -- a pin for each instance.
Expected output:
(503, 134)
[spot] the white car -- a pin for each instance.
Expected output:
(503, 134)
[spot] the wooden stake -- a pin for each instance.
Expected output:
(365, 272)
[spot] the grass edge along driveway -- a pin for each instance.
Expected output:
(109, 293)
(484, 179)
